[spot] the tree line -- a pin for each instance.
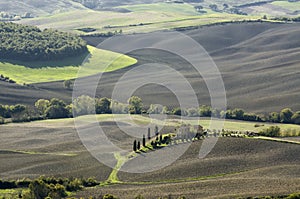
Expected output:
(85, 105)
(29, 43)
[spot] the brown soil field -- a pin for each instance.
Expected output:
(235, 167)
(33, 150)
(259, 63)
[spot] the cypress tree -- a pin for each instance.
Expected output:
(156, 130)
(138, 145)
(149, 135)
(134, 145)
(144, 141)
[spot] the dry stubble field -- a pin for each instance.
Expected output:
(235, 167)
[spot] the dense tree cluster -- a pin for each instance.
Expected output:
(29, 43)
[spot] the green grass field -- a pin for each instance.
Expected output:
(36, 72)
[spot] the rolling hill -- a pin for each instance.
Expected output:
(101, 16)
(258, 62)
(235, 167)
(39, 8)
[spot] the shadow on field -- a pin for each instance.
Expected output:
(68, 61)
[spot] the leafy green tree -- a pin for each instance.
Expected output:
(176, 111)
(4, 112)
(41, 105)
(238, 113)
(165, 110)
(293, 196)
(286, 115)
(213, 7)
(57, 109)
(103, 106)
(83, 105)
(155, 109)
(18, 113)
(225, 6)
(192, 112)
(109, 196)
(216, 113)
(296, 117)
(272, 131)
(135, 105)
(57, 191)
(274, 117)
(205, 111)
(118, 108)
(139, 197)
(39, 189)
(17, 109)
(250, 117)
(68, 84)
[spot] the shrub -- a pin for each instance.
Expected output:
(294, 196)
(109, 196)
(74, 185)
(273, 131)
(68, 84)
(139, 197)
(90, 182)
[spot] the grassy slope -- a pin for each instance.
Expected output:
(39, 8)
(35, 72)
(156, 16)
(254, 60)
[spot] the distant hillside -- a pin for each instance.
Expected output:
(16, 9)
(106, 4)
(34, 8)
(259, 63)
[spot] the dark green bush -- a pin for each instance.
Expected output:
(273, 131)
